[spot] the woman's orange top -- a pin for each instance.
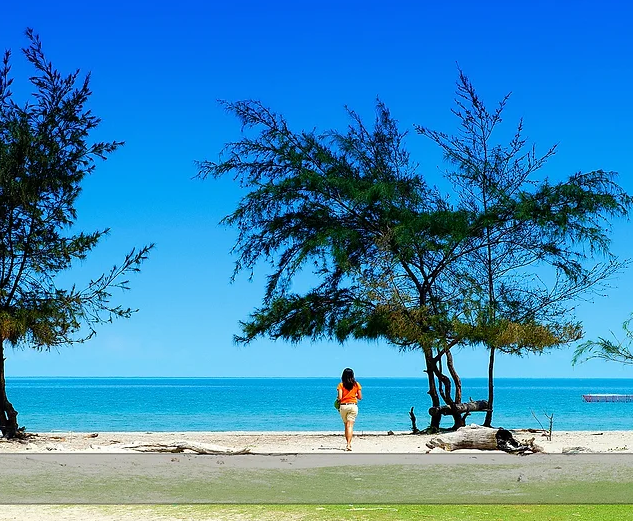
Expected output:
(349, 396)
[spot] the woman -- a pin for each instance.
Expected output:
(349, 392)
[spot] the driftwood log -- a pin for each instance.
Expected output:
(467, 407)
(184, 446)
(483, 438)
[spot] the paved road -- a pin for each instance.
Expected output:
(305, 478)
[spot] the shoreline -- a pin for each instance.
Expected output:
(297, 442)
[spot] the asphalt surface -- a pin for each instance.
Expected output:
(77, 478)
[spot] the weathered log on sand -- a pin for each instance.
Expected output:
(445, 410)
(179, 447)
(482, 438)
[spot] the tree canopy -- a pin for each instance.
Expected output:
(45, 153)
(534, 230)
(395, 258)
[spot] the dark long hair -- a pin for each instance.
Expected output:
(348, 379)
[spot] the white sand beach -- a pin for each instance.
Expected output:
(296, 442)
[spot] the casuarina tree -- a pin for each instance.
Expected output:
(45, 153)
(392, 257)
(351, 208)
(544, 244)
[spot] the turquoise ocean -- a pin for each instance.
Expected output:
(297, 404)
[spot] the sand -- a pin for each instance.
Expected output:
(298, 442)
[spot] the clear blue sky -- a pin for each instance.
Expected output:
(158, 69)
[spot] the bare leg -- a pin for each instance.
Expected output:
(349, 432)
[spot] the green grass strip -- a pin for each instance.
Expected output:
(337, 512)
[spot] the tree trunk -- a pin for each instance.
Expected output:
(458, 419)
(8, 415)
(434, 426)
(456, 379)
(446, 389)
(491, 392)
(414, 427)
(435, 399)
(482, 438)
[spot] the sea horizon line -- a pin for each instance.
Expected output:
(421, 377)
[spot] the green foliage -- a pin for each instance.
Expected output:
(605, 349)
(496, 262)
(510, 293)
(536, 252)
(519, 338)
(45, 153)
(351, 208)
(394, 258)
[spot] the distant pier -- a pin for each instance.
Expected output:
(607, 397)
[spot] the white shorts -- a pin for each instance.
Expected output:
(348, 411)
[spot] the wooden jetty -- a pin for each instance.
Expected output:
(607, 397)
